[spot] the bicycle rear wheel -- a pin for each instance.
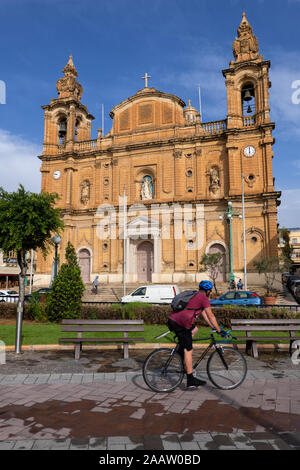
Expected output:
(226, 368)
(163, 371)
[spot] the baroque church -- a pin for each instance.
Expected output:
(149, 198)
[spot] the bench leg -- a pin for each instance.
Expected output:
(249, 347)
(254, 349)
(126, 355)
(77, 351)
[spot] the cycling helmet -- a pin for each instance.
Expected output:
(205, 285)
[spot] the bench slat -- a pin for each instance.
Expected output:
(265, 338)
(265, 328)
(266, 321)
(102, 328)
(81, 340)
(102, 322)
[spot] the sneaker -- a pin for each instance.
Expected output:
(193, 382)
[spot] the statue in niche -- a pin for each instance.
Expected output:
(147, 188)
(85, 192)
(214, 180)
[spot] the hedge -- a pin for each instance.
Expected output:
(153, 314)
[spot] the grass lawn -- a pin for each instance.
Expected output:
(48, 333)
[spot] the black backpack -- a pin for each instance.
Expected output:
(181, 300)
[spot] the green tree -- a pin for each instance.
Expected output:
(27, 221)
(65, 298)
(284, 234)
(270, 268)
(212, 263)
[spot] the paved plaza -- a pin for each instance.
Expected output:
(116, 411)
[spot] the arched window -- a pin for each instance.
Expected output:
(76, 129)
(248, 99)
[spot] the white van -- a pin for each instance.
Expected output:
(155, 294)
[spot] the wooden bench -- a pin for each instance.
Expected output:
(250, 326)
(82, 326)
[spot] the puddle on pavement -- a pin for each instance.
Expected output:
(63, 361)
(81, 421)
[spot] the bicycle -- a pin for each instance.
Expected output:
(163, 369)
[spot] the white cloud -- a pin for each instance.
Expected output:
(286, 113)
(19, 163)
(289, 209)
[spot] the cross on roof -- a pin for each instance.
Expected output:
(146, 79)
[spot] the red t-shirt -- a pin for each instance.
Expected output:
(186, 318)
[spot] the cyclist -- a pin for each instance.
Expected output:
(182, 323)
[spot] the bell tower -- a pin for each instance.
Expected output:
(66, 119)
(247, 81)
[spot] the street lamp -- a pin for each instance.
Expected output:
(56, 240)
(228, 215)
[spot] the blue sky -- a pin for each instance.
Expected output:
(180, 43)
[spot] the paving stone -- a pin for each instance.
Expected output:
(7, 445)
(98, 443)
(118, 440)
(61, 444)
(291, 438)
(42, 444)
(171, 442)
(79, 443)
(263, 446)
(189, 445)
(153, 442)
(116, 447)
(23, 445)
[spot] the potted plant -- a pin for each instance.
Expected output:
(270, 268)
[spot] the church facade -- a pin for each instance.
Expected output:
(152, 196)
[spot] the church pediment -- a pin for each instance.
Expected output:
(142, 226)
(148, 108)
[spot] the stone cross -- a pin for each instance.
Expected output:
(146, 79)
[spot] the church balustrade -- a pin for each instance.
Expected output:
(214, 127)
(249, 121)
(86, 145)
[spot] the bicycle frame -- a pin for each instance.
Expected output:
(212, 343)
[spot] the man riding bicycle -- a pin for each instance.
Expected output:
(182, 323)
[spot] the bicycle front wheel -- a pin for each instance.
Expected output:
(163, 371)
(226, 368)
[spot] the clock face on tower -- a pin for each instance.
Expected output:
(249, 151)
(56, 174)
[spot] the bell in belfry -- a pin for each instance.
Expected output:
(247, 96)
(62, 129)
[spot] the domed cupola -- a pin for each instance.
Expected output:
(191, 114)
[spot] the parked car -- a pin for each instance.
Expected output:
(155, 294)
(285, 276)
(292, 278)
(8, 295)
(39, 292)
(297, 294)
(294, 285)
(244, 298)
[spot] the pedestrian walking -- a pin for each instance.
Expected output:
(95, 285)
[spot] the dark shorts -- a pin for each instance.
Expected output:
(184, 335)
